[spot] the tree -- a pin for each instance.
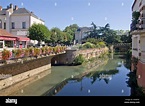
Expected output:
(39, 32)
(56, 36)
(71, 30)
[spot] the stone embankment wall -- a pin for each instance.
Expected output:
(71, 54)
(17, 75)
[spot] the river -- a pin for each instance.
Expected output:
(106, 80)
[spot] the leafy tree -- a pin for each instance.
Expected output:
(56, 36)
(71, 31)
(39, 32)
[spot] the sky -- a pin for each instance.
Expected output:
(62, 13)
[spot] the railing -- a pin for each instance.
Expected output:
(143, 56)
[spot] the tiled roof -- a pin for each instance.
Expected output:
(5, 33)
(85, 29)
(20, 11)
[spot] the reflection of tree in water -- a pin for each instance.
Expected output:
(97, 75)
(79, 78)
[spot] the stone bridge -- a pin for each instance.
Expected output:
(122, 47)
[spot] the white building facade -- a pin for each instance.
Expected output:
(17, 20)
(81, 33)
(138, 41)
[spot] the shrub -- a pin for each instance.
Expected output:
(79, 60)
(87, 45)
(102, 44)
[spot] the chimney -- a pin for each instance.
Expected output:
(8, 7)
(16, 7)
(1, 8)
(11, 6)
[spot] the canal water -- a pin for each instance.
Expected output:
(108, 79)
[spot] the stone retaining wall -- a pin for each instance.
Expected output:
(23, 81)
(70, 55)
(20, 74)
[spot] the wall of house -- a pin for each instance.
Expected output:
(135, 45)
(3, 17)
(18, 19)
(35, 20)
(136, 6)
(77, 36)
(141, 74)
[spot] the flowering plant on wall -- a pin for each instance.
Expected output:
(17, 53)
(36, 52)
(6, 54)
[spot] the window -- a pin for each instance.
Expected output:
(13, 25)
(23, 25)
(0, 23)
(9, 44)
(4, 25)
(1, 44)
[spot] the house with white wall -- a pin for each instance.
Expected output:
(17, 20)
(81, 33)
(138, 41)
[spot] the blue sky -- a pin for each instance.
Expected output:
(62, 13)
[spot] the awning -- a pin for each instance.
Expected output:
(7, 38)
(23, 39)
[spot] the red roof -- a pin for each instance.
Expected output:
(23, 38)
(4, 35)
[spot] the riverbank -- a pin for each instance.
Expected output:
(58, 74)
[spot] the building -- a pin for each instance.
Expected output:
(138, 41)
(17, 20)
(81, 33)
(9, 41)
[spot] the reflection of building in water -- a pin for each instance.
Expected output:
(103, 76)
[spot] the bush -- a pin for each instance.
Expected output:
(102, 44)
(79, 60)
(87, 45)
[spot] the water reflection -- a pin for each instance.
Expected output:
(96, 83)
(105, 75)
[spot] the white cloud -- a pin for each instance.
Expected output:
(55, 4)
(122, 4)
(106, 18)
(22, 4)
(72, 18)
(89, 4)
